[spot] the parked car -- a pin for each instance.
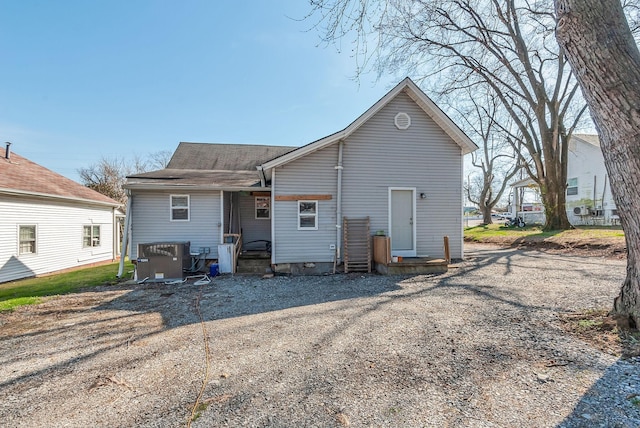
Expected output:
(506, 215)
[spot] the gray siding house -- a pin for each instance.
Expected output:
(399, 164)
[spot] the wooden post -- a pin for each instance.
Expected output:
(447, 254)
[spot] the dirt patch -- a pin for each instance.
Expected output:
(604, 331)
(580, 245)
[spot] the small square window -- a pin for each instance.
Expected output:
(307, 215)
(27, 238)
(263, 207)
(179, 207)
(91, 236)
(572, 186)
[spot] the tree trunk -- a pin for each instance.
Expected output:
(606, 60)
(486, 215)
(553, 197)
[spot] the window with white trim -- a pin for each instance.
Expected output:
(572, 186)
(179, 207)
(307, 215)
(27, 239)
(263, 207)
(91, 236)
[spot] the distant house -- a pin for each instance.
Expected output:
(49, 222)
(399, 164)
(588, 199)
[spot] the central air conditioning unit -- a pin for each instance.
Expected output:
(161, 261)
(581, 210)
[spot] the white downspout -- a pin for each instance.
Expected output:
(115, 238)
(339, 168)
(125, 238)
(273, 216)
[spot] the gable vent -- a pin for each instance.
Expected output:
(402, 120)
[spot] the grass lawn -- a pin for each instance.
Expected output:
(33, 290)
(496, 233)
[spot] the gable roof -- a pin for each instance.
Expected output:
(207, 165)
(20, 176)
(416, 94)
(592, 139)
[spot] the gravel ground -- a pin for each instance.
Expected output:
(480, 346)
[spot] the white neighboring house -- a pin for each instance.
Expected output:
(50, 223)
(589, 200)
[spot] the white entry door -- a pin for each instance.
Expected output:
(402, 224)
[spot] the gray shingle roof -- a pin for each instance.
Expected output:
(211, 165)
(224, 157)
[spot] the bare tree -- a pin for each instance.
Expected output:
(496, 160)
(600, 46)
(505, 45)
(108, 175)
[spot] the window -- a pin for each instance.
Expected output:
(572, 186)
(27, 239)
(90, 236)
(263, 209)
(179, 207)
(307, 215)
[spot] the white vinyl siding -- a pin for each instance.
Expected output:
(151, 221)
(588, 180)
(313, 174)
(59, 243)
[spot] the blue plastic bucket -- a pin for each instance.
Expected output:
(213, 269)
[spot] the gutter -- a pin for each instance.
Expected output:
(203, 187)
(49, 196)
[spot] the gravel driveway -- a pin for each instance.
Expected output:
(480, 346)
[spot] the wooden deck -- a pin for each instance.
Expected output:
(413, 265)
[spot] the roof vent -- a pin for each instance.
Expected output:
(7, 152)
(402, 120)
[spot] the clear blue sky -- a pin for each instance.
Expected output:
(85, 79)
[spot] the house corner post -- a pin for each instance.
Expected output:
(125, 237)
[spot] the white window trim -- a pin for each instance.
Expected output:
(36, 240)
(91, 226)
(171, 207)
(308, 215)
(268, 199)
(572, 187)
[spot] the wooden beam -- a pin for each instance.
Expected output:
(303, 197)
